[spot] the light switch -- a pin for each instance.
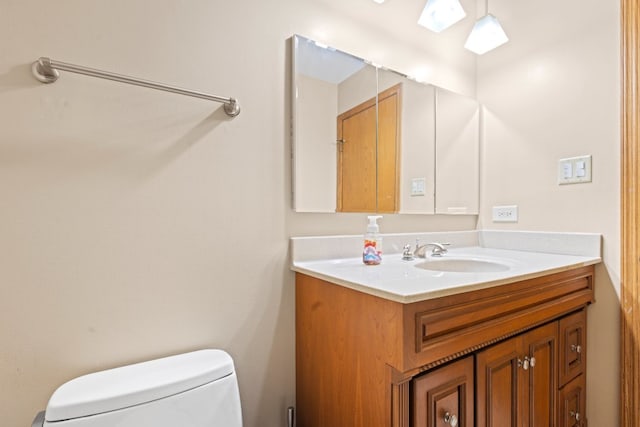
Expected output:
(574, 170)
(418, 186)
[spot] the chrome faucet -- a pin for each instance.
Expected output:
(438, 249)
(407, 254)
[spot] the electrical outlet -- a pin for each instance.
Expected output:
(505, 213)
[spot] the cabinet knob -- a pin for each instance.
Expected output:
(524, 364)
(576, 348)
(527, 363)
(575, 415)
(450, 419)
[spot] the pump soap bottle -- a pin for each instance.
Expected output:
(372, 253)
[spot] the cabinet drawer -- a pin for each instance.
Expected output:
(573, 346)
(572, 401)
(460, 323)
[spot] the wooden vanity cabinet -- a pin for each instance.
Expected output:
(500, 356)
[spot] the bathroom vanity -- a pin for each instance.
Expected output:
(409, 346)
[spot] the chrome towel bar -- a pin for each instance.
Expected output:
(46, 71)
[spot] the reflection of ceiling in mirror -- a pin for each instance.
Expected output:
(325, 64)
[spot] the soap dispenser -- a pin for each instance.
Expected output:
(372, 253)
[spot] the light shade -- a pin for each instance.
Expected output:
(487, 34)
(441, 14)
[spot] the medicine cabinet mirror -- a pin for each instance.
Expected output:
(369, 139)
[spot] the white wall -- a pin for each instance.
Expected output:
(136, 224)
(553, 92)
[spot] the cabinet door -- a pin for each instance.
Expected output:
(573, 345)
(516, 380)
(572, 399)
(498, 385)
(444, 396)
(541, 347)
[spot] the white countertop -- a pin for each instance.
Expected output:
(401, 281)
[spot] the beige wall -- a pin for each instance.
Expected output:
(553, 92)
(136, 224)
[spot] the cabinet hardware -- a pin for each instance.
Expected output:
(575, 415)
(576, 348)
(528, 362)
(524, 364)
(452, 420)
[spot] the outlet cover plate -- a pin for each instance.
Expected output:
(505, 213)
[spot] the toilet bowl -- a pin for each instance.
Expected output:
(197, 389)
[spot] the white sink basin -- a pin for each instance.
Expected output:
(463, 265)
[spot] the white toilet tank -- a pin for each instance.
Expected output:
(197, 389)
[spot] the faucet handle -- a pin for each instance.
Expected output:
(407, 254)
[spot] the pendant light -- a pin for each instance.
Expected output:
(487, 34)
(439, 15)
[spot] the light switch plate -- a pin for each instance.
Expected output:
(574, 170)
(505, 213)
(418, 186)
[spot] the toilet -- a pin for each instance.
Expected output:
(197, 389)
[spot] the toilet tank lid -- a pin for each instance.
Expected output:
(130, 385)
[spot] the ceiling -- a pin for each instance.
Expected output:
(399, 19)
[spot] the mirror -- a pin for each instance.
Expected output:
(328, 87)
(416, 172)
(369, 139)
(457, 156)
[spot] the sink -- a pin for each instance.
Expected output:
(463, 265)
